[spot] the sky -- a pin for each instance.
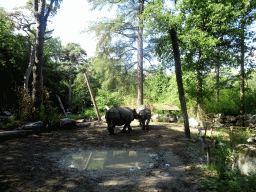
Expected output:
(72, 17)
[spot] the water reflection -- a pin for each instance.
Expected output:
(110, 159)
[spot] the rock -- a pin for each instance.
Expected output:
(211, 115)
(248, 123)
(218, 124)
(80, 120)
(166, 119)
(36, 126)
(193, 123)
(221, 116)
(252, 139)
(253, 119)
(83, 124)
(156, 116)
(230, 119)
(245, 158)
(67, 123)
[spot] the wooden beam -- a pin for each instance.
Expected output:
(92, 96)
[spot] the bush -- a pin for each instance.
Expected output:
(107, 98)
(225, 179)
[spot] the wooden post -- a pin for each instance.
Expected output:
(61, 105)
(205, 146)
(92, 96)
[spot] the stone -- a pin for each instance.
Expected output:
(193, 123)
(156, 116)
(166, 119)
(211, 115)
(36, 126)
(252, 139)
(80, 120)
(245, 158)
(67, 123)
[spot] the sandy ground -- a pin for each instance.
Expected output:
(158, 159)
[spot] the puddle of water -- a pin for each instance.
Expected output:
(110, 160)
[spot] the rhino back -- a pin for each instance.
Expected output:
(144, 112)
(119, 114)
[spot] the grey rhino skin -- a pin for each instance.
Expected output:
(120, 116)
(144, 113)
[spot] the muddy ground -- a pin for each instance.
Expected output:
(62, 160)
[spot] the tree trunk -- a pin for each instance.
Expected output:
(242, 71)
(39, 45)
(199, 88)
(30, 65)
(179, 81)
(85, 99)
(92, 96)
(217, 75)
(140, 54)
(69, 91)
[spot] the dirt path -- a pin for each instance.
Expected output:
(88, 159)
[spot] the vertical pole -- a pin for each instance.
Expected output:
(92, 96)
(61, 105)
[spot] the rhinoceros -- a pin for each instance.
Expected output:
(120, 116)
(144, 115)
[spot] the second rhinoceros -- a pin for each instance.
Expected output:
(120, 116)
(144, 115)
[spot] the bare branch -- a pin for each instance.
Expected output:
(49, 31)
(48, 11)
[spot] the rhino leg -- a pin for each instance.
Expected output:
(143, 124)
(111, 127)
(111, 131)
(147, 122)
(126, 125)
(129, 127)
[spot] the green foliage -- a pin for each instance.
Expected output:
(25, 105)
(10, 124)
(106, 98)
(239, 136)
(229, 103)
(90, 113)
(49, 115)
(226, 179)
(156, 85)
(234, 182)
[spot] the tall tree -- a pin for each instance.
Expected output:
(242, 20)
(72, 55)
(178, 71)
(41, 12)
(119, 35)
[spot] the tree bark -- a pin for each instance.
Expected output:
(69, 92)
(242, 110)
(140, 54)
(30, 65)
(92, 96)
(39, 45)
(41, 16)
(199, 88)
(217, 75)
(179, 81)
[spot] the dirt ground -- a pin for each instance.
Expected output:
(41, 162)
